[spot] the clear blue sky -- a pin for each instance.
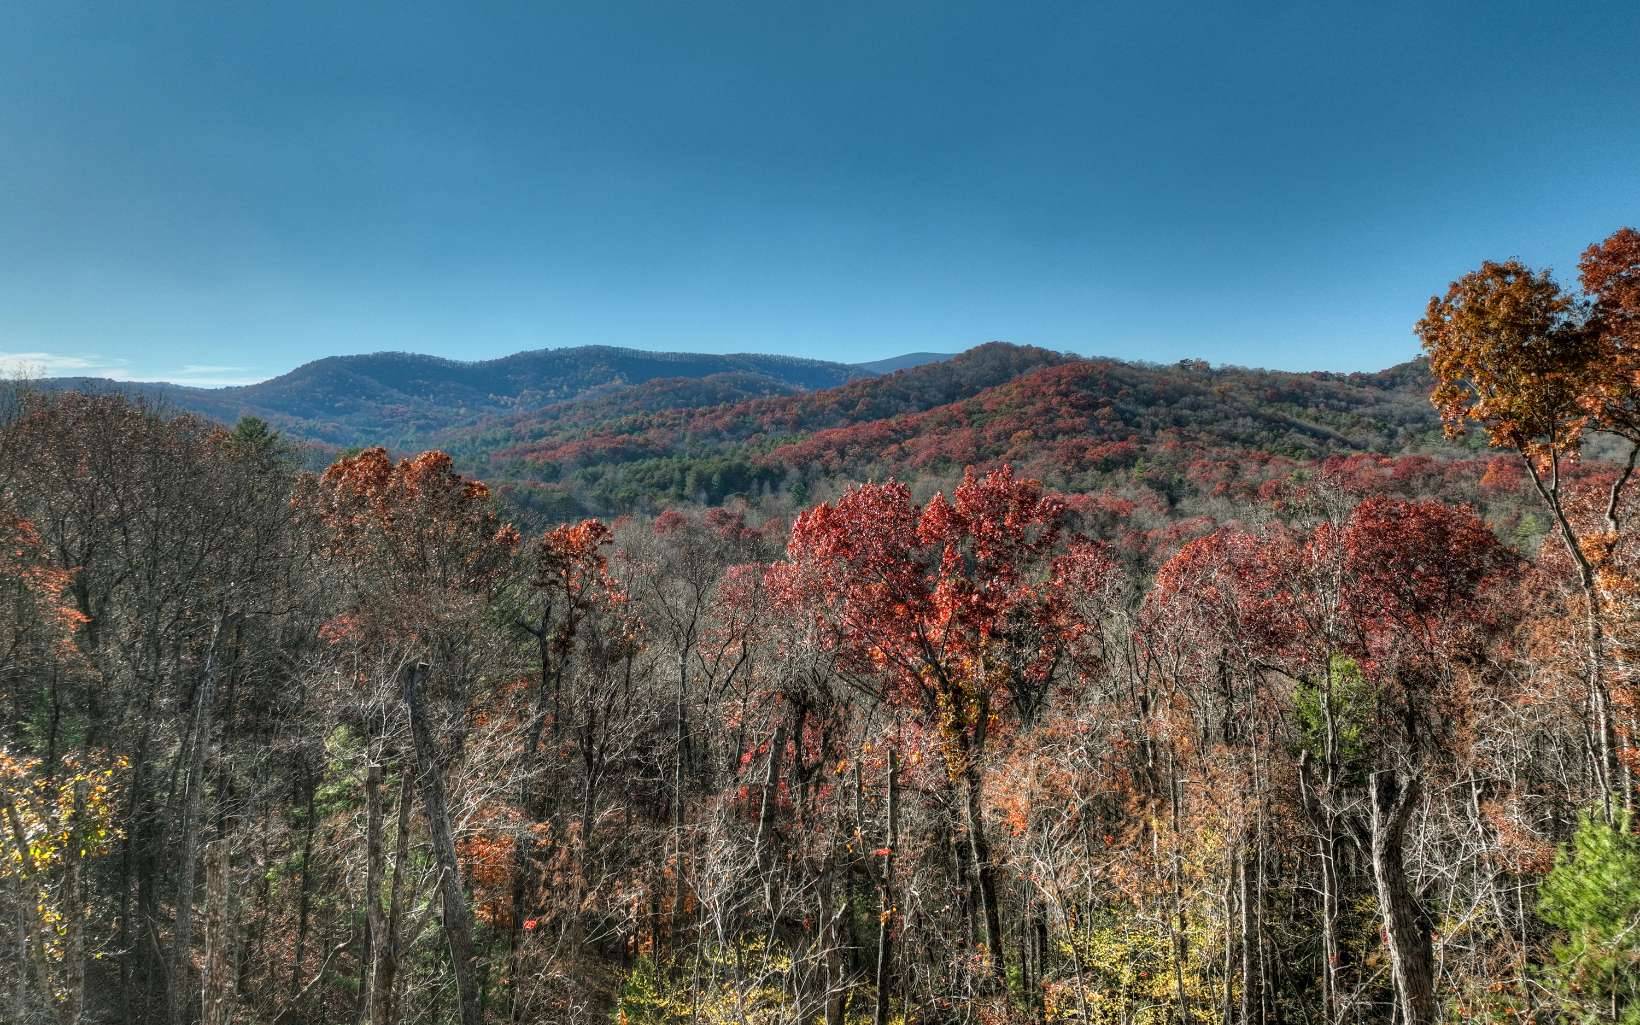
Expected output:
(221, 191)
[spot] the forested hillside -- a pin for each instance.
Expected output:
(1083, 425)
(1265, 719)
(569, 433)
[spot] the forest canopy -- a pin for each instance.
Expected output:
(1052, 733)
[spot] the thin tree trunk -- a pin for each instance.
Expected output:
(885, 890)
(838, 991)
(583, 857)
(1252, 974)
(458, 917)
(679, 739)
(1603, 756)
(1320, 816)
(125, 936)
(532, 797)
(22, 996)
(1180, 943)
(375, 860)
(1040, 996)
(31, 946)
(763, 846)
(304, 903)
(962, 858)
(382, 1002)
(180, 969)
(1234, 870)
(72, 1004)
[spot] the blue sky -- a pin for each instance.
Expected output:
(218, 192)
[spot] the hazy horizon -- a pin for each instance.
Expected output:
(18, 366)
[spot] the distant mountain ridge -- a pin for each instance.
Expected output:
(393, 397)
(905, 362)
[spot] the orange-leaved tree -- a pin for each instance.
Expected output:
(1539, 368)
(420, 551)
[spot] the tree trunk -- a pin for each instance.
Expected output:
(304, 903)
(1039, 996)
(582, 879)
(22, 995)
(1231, 938)
(1603, 751)
(832, 916)
(1252, 975)
(763, 846)
(532, 797)
(1600, 711)
(72, 1002)
(125, 936)
(177, 1000)
(1181, 947)
(217, 995)
(986, 869)
(1321, 819)
(885, 891)
(375, 860)
(458, 917)
(962, 867)
(680, 738)
(382, 1004)
(1412, 959)
(30, 941)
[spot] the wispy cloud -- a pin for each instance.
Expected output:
(210, 375)
(58, 364)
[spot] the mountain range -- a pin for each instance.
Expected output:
(396, 396)
(599, 430)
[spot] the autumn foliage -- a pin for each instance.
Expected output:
(1131, 695)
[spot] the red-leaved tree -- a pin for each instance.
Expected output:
(950, 609)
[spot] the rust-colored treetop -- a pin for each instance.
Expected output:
(910, 584)
(569, 557)
(428, 520)
(1537, 365)
(1610, 271)
(1512, 350)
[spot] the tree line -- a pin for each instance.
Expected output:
(292, 748)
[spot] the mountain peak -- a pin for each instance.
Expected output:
(905, 361)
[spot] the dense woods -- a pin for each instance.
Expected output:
(1302, 736)
(1077, 424)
